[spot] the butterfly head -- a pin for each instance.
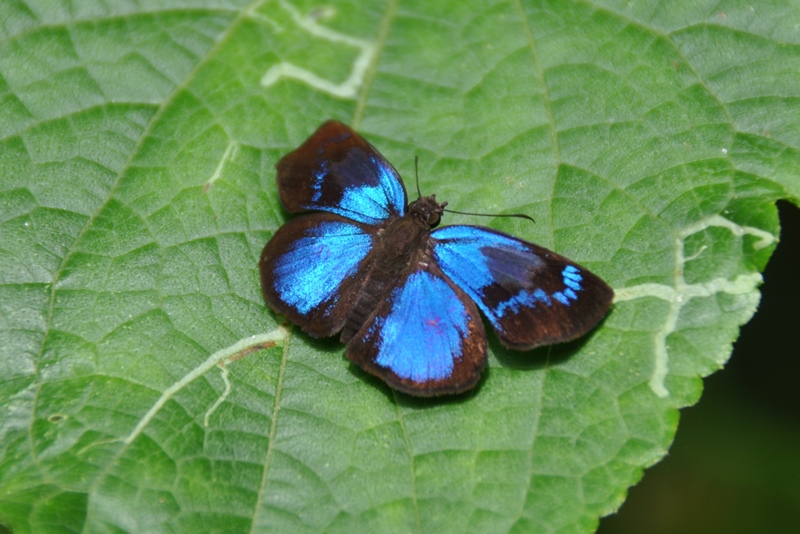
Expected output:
(427, 210)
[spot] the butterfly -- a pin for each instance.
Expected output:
(404, 297)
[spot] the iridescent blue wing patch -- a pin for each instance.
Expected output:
(311, 270)
(337, 171)
(426, 339)
(530, 295)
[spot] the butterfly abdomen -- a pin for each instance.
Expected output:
(398, 250)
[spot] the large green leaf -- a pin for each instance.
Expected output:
(146, 388)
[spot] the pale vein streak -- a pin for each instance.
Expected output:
(230, 154)
(681, 292)
(346, 89)
(226, 355)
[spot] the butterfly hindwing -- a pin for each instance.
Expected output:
(426, 339)
(312, 269)
(337, 171)
(530, 295)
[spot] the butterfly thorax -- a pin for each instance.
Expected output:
(401, 247)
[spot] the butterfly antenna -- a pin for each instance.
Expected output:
(515, 215)
(416, 172)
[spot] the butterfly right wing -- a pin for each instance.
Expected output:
(531, 296)
(313, 269)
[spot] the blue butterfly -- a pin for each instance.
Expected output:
(406, 298)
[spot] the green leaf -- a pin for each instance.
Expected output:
(145, 387)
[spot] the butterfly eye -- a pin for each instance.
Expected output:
(434, 219)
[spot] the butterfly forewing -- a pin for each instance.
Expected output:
(313, 268)
(426, 339)
(531, 295)
(337, 171)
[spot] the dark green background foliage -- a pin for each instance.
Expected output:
(144, 386)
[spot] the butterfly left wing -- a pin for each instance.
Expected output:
(426, 339)
(531, 295)
(313, 268)
(338, 171)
